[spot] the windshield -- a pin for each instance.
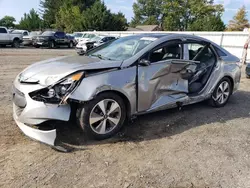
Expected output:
(33, 33)
(89, 36)
(78, 35)
(97, 38)
(123, 48)
(48, 33)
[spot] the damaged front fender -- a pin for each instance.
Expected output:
(122, 81)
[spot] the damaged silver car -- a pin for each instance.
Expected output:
(121, 79)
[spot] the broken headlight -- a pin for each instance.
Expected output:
(60, 91)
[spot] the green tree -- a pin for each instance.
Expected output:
(7, 21)
(50, 8)
(183, 15)
(147, 12)
(239, 21)
(82, 4)
(209, 23)
(118, 22)
(30, 21)
(69, 18)
(98, 17)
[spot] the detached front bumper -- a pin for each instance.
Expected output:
(47, 137)
(29, 113)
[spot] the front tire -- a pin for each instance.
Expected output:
(103, 116)
(71, 44)
(16, 43)
(222, 93)
(52, 44)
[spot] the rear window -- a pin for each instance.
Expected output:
(220, 52)
(60, 34)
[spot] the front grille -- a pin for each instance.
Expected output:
(40, 39)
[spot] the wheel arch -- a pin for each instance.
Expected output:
(231, 80)
(75, 104)
(123, 96)
(16, 38)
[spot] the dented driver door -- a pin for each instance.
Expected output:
(162, 84)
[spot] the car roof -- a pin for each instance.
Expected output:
(103, 36)
(156, 35)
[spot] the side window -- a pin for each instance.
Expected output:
(60, 34)
(105, 39)
(220, 52)
(25, 33)
(200, 52)
(2, 30)
(169, 51)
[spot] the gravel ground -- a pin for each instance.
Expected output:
(197, 147)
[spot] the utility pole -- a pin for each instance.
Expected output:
(244, 56)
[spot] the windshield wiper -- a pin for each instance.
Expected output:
(101, 57)
(97, 55)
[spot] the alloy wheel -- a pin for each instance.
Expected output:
(105, 116)
(223, 92)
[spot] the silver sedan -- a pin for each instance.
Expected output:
(121, 79)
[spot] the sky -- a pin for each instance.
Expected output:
(17, 8)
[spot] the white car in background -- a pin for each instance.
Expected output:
(86, 45)
(87, 37)
(28, 40)
(77, 36)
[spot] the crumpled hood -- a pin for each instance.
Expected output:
(49, 71)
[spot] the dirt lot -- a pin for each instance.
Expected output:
(199, 146)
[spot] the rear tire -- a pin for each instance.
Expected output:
(103, 116)
(222, 93)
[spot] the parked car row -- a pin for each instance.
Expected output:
(53, 39)
(50, 39)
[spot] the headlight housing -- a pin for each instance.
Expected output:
(60, 91)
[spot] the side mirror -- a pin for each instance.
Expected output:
(144, 62)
